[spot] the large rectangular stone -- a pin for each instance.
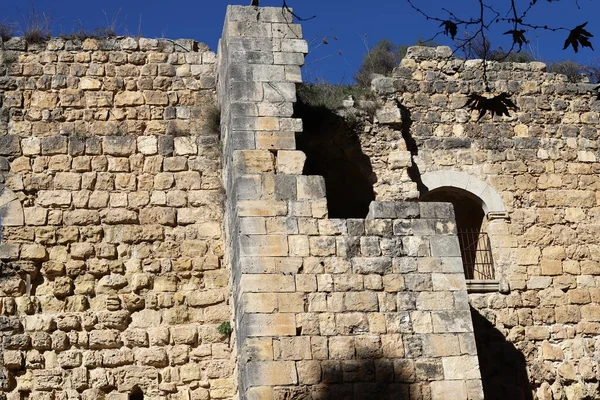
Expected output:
(444, 246)
(253, 161)
(393, 210)
(461, 367)
(435, 301)
(449, 281)
(261, 208)
(433, 210)
(271, 373)
(264, 283)
(264, 245)
(311, 187)
(372, 265)
(451, 321)
(259, 325)
(279, 140)
(444, 390)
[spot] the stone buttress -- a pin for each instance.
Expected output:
(327, 308)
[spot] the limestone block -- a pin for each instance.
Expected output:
(537, 332)
(115, 216)
(54, 145)
(256, 283)
(389, 113)
(271, 373)
(166, 283)
(158, 215)
(9, 145)
(352, 323)
(311, 187)
(147, 145)
(451, 321)
(104, 339)
(47, 379)
(86, 83)
(444, 246)
(372, 265)
(35, 215)
(461, 367)
(82, 217)
(129, 98)
(44, 99)
(361, 301)
(448, 282)
(153, 356)
(185, 146)
(445, 389)
(275, 140)
(34, 252)
(186, 334)
(12, 213)
(253, 161)
(258, 325)
(70, 359)
(146, 319)
(205, 297)
(12, 359)
(189, 180)
(119, 145)
(392, 345)
(31, 146)
(63, 286)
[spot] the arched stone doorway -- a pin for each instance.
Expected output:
(482, 222)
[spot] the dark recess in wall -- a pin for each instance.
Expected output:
(333, 151)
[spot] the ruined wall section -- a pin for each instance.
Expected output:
(328, 308)
(112, 273)
(543, 162)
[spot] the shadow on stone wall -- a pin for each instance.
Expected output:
(333, 151)
(503, 367)
(366, 375)
(411, 145)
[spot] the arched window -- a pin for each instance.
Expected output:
(477, 206)
(475, 248)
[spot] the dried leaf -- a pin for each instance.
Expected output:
(579, 36)
(518, 37)
(450, 28)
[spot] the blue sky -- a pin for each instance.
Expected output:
(349, 26)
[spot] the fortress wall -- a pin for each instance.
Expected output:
(112, 274)
(131, 230)
(542, 160)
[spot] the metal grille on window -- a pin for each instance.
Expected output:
(476, 254)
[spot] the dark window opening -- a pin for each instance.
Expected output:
(475, 246)
(333, 150)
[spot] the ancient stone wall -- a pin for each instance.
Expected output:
(540, 172)
(112, 281)
(132, 231)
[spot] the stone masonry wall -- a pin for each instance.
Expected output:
(327, 308)
(112, 274)
(543, 163)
